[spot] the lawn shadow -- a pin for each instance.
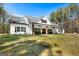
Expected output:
(26, 48)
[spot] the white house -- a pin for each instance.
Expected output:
(32, 25)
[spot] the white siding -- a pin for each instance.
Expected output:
(29, 29)
(12, 28)
(26, 20)
(45, 18)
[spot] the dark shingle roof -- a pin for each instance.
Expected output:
(14, 19)
(21, 20)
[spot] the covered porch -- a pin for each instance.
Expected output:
(43, 29)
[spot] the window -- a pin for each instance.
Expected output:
(20, 29)
(17, 29)
(43, 21)
(23, 29)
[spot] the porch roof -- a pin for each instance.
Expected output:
(52, 24)
(49, 26)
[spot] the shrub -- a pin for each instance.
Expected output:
(8, 37)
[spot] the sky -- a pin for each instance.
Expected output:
(33, 9)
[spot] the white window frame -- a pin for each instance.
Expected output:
(20, 29)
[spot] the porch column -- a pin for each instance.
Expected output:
(41, 30)
(33, 28)
(46, 30)
(52, 31)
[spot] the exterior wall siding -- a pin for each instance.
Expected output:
(12, 28)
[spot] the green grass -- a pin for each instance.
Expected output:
(28, 45)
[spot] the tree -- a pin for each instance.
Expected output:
(3, 24)
(73, 9)
(66, 17)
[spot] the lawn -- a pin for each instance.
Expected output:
(39, 45)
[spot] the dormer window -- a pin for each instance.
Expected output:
(43, 21)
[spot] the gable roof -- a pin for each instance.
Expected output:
(22, 20)
(32, 19)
